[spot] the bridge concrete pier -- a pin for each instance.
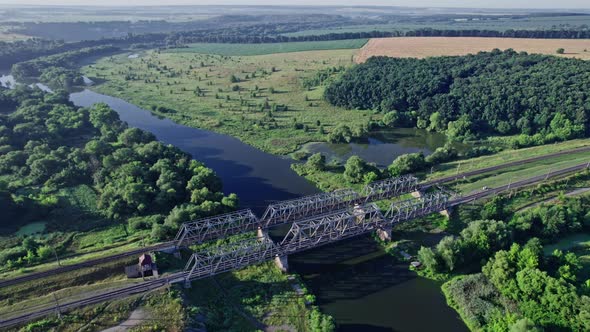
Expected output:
(282, 263)
(177, 253)
(446, 212)
(261, 234)
(187, 284)
(417, 194)
(384, 233)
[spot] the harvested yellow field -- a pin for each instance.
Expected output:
(422, 47)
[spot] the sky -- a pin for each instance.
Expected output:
(537, 4)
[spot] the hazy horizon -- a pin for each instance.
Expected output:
(498, 4)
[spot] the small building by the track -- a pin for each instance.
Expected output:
(144, 268)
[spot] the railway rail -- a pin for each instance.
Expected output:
(185, 276)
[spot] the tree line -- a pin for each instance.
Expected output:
(18, 51)
(499, 92)
(58, 70)
(254, 35)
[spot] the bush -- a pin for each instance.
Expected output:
(475, 298)
(12, 254)
(144, 223)
(407, 163)
(162, 232)
(340, 134)
(442, 155)
(316, 162)
(356, 169)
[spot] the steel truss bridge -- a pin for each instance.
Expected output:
(311, 233)
(285, 212)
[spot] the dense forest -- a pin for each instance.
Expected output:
(48, 146)
(516, 283)
(543, 97)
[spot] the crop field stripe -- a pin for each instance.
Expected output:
(423, 47)
(269, 48)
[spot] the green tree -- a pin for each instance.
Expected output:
(430, 259)
(391, 119)
(341, 133)
(407, 163)
(436, 122)
(316, 162)
(524, 325)
(354, 169)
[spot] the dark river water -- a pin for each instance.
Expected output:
(381, 147)
(354, 280)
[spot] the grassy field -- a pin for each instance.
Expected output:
(421, 47)
(261, 107)
(270, 48)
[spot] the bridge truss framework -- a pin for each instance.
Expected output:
(312, 233)
(291, 210)
(221, 226)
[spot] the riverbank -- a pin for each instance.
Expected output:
(260, 100)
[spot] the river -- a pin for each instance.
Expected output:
(354, 280)
(382, 147)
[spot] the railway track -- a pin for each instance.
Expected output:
(88, 263)
(143, 287)
(151, 285)
(498, 167)
(519, 184)
(425, 185)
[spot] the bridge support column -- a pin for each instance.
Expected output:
(261, 234)
(177, 253)
(282, 263)
(385, 233)
(187, 284)
(446, 212)
(417, 194)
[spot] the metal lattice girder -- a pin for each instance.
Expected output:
(414, 208)
(388, 188)
(230, 257)
(332, 227)
(307, 206)
(216, 227)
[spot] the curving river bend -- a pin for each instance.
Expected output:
(354, 280)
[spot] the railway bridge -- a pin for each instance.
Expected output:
(315, 221)
(312, 232)
(323, 219)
